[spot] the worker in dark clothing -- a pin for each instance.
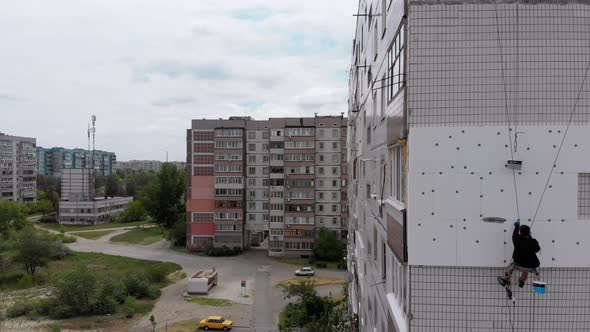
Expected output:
(524, 257)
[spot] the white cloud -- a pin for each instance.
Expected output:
(146, 68)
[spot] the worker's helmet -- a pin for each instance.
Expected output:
(525, 230)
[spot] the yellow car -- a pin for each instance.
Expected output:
(216, 323)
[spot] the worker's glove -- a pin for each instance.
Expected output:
(517, 223)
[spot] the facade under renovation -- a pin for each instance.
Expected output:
(464, 112)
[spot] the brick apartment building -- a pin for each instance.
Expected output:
(273, 182)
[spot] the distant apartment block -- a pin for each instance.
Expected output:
(51, 162)
(18, 172)
(276, 181)
(79, 206)
(146, 165)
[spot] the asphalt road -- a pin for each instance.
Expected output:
(259, 271)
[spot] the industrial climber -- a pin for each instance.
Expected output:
(524, 257)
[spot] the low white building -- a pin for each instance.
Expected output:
(79, 206)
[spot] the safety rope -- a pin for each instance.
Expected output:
(506, 109)
(567, 128)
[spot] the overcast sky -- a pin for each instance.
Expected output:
(146, 68)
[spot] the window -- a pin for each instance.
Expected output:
(383, 261)
(228, 168)
(320, 170)
(320, 196)
(335, 183)
(334, 195)
(251, 135)
(265, 205)
(334, 208)
(334, 220)
(228, 228)
(251, 182)
(320, 208)
(265, 134)
(321, 145)
(252, 205)
(202, 217)
(397, 173)
(251, 170)
(264, 147)
(251, 159)
(375, 243)
(395, 65)
(228, 144)
(252, 193)
(321, 158)
(228, 180)
(334, 132)
(299, 131)
(375, 41)
(251, 217)
(334, 170)
(335, 158)
(228, 132)
(264, 159)
(299, 145)
(321, 132)
(251, 147)
(584, 196)
(334, 145)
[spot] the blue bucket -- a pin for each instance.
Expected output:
(539, 287)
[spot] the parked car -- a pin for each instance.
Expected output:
(306, 271)
(216, 323)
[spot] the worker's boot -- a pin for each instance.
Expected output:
(503, 282)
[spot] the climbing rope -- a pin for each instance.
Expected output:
(502, 70)
(567, 128)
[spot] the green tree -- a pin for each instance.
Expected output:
(77, 290)
(12, 217)
(177, 234)
(328, 246)
(33, 249)
(135, 182)
(44, 207)
(112, 186)
(163, 198)
(134, 212)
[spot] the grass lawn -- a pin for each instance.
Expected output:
(92, 235)
(317, 281)
(73, 228)
(301, 262)
(141, 236)
(208, 301)
(108, 264)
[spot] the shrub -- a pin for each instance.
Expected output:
(136, 284)
(130, 306)
(157, 274)
(54, 327)
(60, 311)
(30, 307)
(61, 252)
(153, 292)
(26, 281)
(223, 251)
(311, 261)
(76, 291)
(342, 265)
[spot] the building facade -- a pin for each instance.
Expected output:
(51, 162)
(275, 182)
(18, 171)
(146, 165)
(443, 96)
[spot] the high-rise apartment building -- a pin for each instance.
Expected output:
(275, 182)
(51, 162)
(462, 113)
(146, 165)
(18, 172)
